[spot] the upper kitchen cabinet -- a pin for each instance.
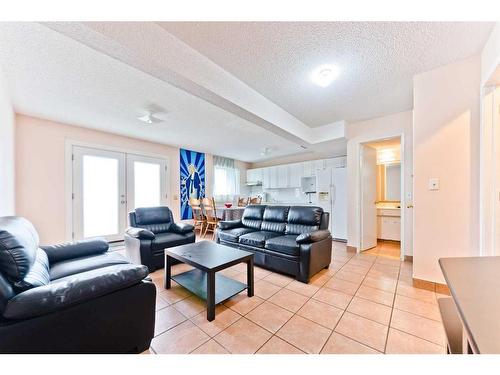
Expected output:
(308, 169)
(254, 176)
(319, 165)
(270, 180)
(295, 174)
(282, 172)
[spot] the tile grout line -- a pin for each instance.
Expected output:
(309, 298)
(343, 313)
(392, 311)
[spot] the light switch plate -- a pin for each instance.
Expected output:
(433, 183)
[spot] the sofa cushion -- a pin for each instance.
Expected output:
(286, 244)
(303, 219)
(164, 240)
(257, 239)
(78, 249)
(38, 274)
(252, 216)
(84, 264)
(274, 219)
(18, 247)
(233, 235)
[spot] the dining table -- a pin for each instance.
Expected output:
(229, 213)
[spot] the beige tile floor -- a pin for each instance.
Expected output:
(362, 304)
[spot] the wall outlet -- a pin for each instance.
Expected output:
(433, 183)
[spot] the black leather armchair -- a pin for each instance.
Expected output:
(152, 230)
(293, 240)
(70, 298)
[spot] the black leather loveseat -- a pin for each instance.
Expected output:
(70, 298)
(152, 230)
(288, 239)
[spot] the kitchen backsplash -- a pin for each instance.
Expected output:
(292, 195)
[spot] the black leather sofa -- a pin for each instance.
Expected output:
(289, 239)
(70, 298)
(152, 229)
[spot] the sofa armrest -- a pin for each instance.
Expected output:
(230, 224)
(70, 250)
(182, 228)
(315, 236)
(73, 290)
(140, 233)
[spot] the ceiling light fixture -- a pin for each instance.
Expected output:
(265, 151)
(324, 75)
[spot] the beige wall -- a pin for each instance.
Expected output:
(40, 170)
(446, 146)
(371, 130)
(7, 175)
(490, 56)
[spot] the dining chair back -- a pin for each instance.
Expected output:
(210, 215)
(243, 202)
(256, 200)
(199, 220)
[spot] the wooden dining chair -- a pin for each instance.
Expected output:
(256, 200)
(210, 216)
(243, 202)
(199, 219)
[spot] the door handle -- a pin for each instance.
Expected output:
(409, 206)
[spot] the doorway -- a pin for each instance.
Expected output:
(382, 197)
(106, 185)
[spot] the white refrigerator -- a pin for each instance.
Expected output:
(332, 197)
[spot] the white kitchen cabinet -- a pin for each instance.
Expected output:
(273, 177)
(282, 172)
(266, 178)
(295, 174)
(389, 227)
(254, 176)
(319, 165)
(308, 169)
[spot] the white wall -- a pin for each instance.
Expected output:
(370, 130)
(446, 146)
(7, 174)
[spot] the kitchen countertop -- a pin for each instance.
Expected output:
(290, 204)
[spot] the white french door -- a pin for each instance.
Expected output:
(146, 182)
(109, 184)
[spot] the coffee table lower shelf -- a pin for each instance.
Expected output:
(196, 282)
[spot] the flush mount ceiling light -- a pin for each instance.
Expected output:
(265, 151)
(149, 119)
(324, 75)
(153, 114)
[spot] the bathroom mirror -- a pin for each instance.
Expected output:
(389, 182)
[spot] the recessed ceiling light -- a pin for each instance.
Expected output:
(324, 75)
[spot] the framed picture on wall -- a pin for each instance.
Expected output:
(192, 179)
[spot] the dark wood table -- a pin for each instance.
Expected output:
(474, 284)
(208, 258)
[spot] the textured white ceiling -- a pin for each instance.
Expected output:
(55, 77)
(377, 60)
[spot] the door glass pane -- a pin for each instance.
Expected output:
(100, 196)
(146, 184)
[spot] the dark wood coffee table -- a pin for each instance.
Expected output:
(209, 257)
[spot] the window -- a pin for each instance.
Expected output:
(226, 179)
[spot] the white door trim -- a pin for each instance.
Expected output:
(68, 174)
